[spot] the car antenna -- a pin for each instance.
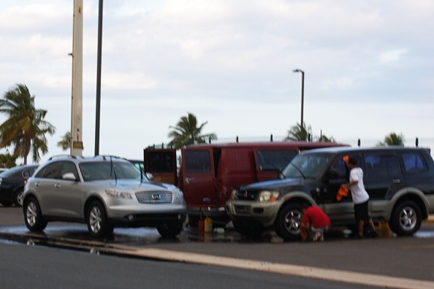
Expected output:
(112, 170)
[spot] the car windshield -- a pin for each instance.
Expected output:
(105, 170)
(306, 166)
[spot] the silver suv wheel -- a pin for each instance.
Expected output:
(97, 222)
(33, 216)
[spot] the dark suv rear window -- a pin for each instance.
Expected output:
(413, 163)
(380, 166)
(197, 161)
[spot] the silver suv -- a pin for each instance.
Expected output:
(104, 192)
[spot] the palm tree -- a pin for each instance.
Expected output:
(187, 132)
(299, 134)
(25, 127)
(7, 160)
(393, 140)
(65, 142)
(324, 138)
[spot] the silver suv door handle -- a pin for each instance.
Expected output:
(57, 186)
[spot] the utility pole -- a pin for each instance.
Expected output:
(77, 81)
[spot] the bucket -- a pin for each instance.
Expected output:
(384, 230)
(208, 225)
(200, 225)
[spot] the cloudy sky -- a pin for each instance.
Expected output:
(369, 68)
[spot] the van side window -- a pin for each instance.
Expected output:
(413, 163)
(272, 160)
(197, 161)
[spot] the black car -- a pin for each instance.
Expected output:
(399, 181)
(12, 184)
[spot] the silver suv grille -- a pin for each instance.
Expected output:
(154, 197)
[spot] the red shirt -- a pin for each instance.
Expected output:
(316, 217)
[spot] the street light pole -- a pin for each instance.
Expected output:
(302, 96)
(98, 78)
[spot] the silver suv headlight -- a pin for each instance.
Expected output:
(117, 194)
(268, 196)
(178, 196)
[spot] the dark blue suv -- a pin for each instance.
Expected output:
(400, 183)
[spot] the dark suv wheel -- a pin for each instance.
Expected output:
(406, 218)
(287, 224)
(170, 230)
(18, 197)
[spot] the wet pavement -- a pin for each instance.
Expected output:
(12, 224)
(405, 259)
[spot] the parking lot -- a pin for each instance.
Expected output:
(404, 259)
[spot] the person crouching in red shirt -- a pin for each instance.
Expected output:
(314, 223)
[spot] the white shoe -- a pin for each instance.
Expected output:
(318, 237)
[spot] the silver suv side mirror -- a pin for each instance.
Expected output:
(69, 177)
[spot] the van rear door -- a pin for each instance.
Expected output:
(161, 163)
(198, 178)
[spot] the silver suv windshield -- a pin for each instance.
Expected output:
(105, 170)
(306, 166)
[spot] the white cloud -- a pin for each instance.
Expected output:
(230, 63)
(392, 55)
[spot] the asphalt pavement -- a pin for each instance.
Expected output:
(394, 262)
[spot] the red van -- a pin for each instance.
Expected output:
(209, 172)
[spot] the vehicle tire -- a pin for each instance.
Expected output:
(18, 198)
(287, 224)
(193, 221)
(406, 218)
(170, 230)
(6, 203)
(247, 229)
(97, 221)
(33, 216)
